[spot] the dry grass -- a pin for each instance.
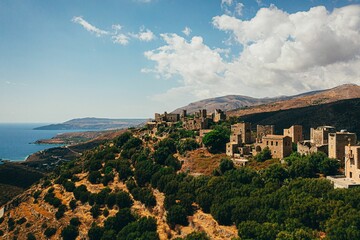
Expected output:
(200, 162)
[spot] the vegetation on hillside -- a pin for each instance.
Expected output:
(281, 201)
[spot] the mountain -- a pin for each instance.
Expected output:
(344, 114)
(342, 92)
(231, 102)
(238, 105)
(93, 124)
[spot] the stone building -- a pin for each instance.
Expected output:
(352, 169)
(167, 117)
(295, 132)
(352, 163)
(243, 129)
(279, 145)
(218, 115)
(199, 121)
(263, 130)
(337, 142)
(319, 135)
(306, 147)
(240, 136)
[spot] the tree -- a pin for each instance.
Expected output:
(95, 232)
(264, 155)
(176, 215)
(123, 200)
(329, 166)
(75, 222)
(30, 236)
(69, 233)
(50, 232)
(226, 165)
(216, 140)
(94, 177)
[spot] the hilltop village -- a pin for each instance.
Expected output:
(202, 175)
(244, 143)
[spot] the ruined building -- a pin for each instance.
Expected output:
(319, 135)
(167, 117)
(262, 131)
(337, 142)
(218, 116)
(306, 147)
(295, 132)
(240, 136)
(199, 121)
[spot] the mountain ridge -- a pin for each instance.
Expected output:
(92, 123)
(233, 104)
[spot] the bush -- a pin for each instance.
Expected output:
(216, 140)
(176, 215)
(72, 204)
(75, 222)
(69, 186)
(94, 177)
(123, 200)
(95, 232)
(30, 236)
(187, 145)
(50, 232)
(264, 155)
(70, 232)
(95, 211)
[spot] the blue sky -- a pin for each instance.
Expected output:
(130, 58)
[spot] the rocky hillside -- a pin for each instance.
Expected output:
(237, 105)
(146, 186)
(347, 91)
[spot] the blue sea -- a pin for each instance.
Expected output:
(17, 140)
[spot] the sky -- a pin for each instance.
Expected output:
(68, 59)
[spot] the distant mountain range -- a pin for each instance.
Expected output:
(238, 105)
(94, 124)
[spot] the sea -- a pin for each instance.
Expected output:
(17, 140)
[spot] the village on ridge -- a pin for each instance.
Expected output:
(244, 143)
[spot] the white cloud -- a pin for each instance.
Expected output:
(116, 27)
(232, 7)
(121, 39)
(239, 9)
(187, 31)
(144, 35)
(282, 54)
(98, 32)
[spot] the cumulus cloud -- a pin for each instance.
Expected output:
(121, 39)
(186, 31)
(281, 54)
(98, 32)
(144, 35)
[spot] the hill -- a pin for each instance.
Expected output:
(142, 185)
(346, 91)
(231, 102)
(238, 105)
(93, 124)
(344, 114)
